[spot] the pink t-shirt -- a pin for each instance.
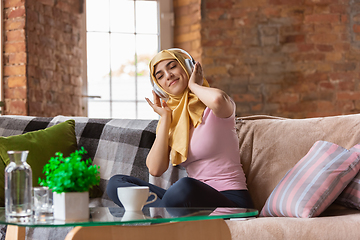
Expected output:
(214, 156)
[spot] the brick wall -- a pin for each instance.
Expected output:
(188, 26)
(15, 58)
(42, 50)
(291, 58)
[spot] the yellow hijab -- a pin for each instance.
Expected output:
(185, 108)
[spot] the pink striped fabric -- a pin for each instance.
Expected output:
(314, 182)
(350, 197)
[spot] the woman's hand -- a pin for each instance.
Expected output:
(215, 99)
(197, 76)
(159, 107)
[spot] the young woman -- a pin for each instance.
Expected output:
(197, 131)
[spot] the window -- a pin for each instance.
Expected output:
(122, 36)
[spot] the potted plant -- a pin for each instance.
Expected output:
(70, 179)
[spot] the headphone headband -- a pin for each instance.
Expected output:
(183, 51)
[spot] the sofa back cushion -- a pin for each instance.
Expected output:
(270, 146)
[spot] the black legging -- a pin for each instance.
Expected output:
(186, 192)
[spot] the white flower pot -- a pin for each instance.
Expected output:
(71, 206)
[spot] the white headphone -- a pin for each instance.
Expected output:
(189, 64)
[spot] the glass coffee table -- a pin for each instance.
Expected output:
(108, 223)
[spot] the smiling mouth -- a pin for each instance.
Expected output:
(173, 82)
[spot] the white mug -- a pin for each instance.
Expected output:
(133, 215)
(134, 198)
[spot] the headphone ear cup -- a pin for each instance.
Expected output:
(160, 92)
(189, 65)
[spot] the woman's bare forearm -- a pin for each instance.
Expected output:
(215, 99)
(157, 160)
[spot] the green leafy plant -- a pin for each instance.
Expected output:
(70, 174)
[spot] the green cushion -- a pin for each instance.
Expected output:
(42, 145)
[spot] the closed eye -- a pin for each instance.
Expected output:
(170, 65)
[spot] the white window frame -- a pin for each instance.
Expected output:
(166, 40)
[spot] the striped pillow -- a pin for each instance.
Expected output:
(350, 197)
(314, 182)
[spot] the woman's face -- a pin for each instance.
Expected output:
(171, 76)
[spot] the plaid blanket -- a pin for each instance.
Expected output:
(118, 146)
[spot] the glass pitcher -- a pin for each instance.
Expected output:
(18, 187)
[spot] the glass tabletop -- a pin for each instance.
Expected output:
(118, 216)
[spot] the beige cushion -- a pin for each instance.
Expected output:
(270, 146)
(343, 224)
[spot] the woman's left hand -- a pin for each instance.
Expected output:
(197, 76)
(215, 99)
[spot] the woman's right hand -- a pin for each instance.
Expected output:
(157, 160)
(160, 107)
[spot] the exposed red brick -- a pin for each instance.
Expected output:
(356, 18)
(338, 8)
(14, 47)
(321, 2)
(327, 85)
(356, 28)
(343, 76)
(324, 38)
(321, 18)
(325, 48)
(219, 4)
(16, 107)
(15, 36)
(14, 24)
(286, 2)
(19, 81)
(13, 3)
(346, 85)
(19, 58)
(285, 98)
(17, 12)
(348, 96)
(16, 93)
(47, 2)
(14, 70)
(294, 39)
(305, 47)
(247, 98)
(343, 67)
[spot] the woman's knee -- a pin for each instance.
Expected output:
(187, 183)
(180, 193)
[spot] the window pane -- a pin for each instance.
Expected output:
(124, 110)
(97, 15)
(98, 109)
(123, 88)
(146, 112)
(98, 65)
(146, 17)
(122, 16)
(144, 88)
(123, 66)
(146, 46)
